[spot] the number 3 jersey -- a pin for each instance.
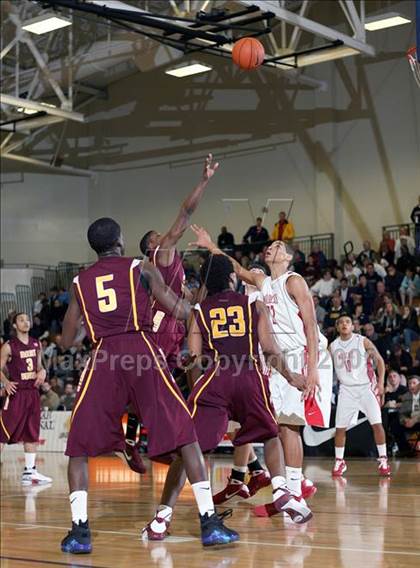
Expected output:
(113, 297)
(23, 363)
(228, 323)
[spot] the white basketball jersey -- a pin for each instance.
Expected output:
(352, 364)
(285, 316)
(264, 367)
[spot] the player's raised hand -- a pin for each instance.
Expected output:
(210, 167)
(10, 387)
(203, 238)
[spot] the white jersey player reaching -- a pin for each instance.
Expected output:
(293, 318)
(353, 356)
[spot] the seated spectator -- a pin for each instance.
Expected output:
(409, 326)
(367, 253)
(298, 260)
(319, 257)
(410, 287)
(39, 303)
(372, 277)
(363, 293)
(256, 235)
(338, 273)
(56, 385)
(400, 360)
(387, 248)
(406, 260)
(319, 312)
(225, 241)
(352, 273)
(357, 327)
(63, 297)
(8, 325)
(379, 301)
(337, 309)
(325, 287)
(283, 229)
(360, 314)
(38, 328)
(393, 281)
(389, 322)
(68, 398)
(394, 390)
(311, 272)
(409, 416)
(404, 241)
(345, 294)
(49, 399)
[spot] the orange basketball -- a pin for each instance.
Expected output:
(248, 53)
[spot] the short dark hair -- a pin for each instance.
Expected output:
(259, 266)
(259, 218)
(343, 315)
(215, 273)
(144, 242)
(103, 234)
(15, 317)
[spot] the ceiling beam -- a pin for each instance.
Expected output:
(35, 105)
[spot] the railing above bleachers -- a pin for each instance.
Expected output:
(394, 230)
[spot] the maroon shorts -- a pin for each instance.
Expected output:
(125, 368)
(20, 418)
(219, 396)
(170, 338)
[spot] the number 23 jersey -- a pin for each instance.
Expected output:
(113, 297)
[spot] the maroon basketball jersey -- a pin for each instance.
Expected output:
(113, 297)
(229, 325)
(173, 276)
(23, 363)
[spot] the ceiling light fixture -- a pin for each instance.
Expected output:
(188, 69)
(45, 23)
(382, 21)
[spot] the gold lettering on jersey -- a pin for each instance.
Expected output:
(28, 353)
(27, 376)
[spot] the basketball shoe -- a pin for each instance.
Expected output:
(157, 529)
(33, 477)
(258, 480)
(131, 456)
(77, 540)
(214, 532)
(308, 488)
(384, 468)
(339, 468)
(286, 502)
(234, 488)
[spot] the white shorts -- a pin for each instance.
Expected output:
(288, 404)
(355, 399)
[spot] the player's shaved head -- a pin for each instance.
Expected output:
(145, 242)
(104, 235)
(216, 273)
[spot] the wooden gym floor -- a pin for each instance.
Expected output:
(361, 522)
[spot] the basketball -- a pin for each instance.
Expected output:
(248, 53)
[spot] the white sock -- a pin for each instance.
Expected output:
(78, 504)
(240, 468)
(381, 450)
(203, 496)
(294, 480)
(339, 452)
(164, 512)
(278, 483)
(29, 460)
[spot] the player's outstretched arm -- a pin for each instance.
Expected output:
(5, 353)
(195, 347)
(374, 354)
(298, 289)
(71, 322)
(272, 352)
(178, 308)
(204, 241)
(169, 240)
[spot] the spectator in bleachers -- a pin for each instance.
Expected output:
(367, 253)
(256, 235)
(409, 326)
(336, 310)
(393, 281)
(385, 253)
(311, 272)
(49, 399)
(404, 240)
(389, 321)
(394, 390)
(352, 273)
(63, 297)
(372, 277)
(68, 398)
(8, 325)
(345, 293)
(360, 314)
(319, 312)
(38, 328)
(319, 257)
(380, 296)
(363, 293)
(357, 327)
(56, 385)
(410, 287)
(299, 259)
(283, 229)
(415, 218)
(225, 241)
(39, 303)
(406, 260)
(325, 287)
(400, 360)
(409, 417)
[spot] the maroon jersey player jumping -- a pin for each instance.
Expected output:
(20, 419)
(113, 298)
(161, 251)
(225, 331)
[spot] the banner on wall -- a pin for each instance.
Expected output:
(54, 432)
